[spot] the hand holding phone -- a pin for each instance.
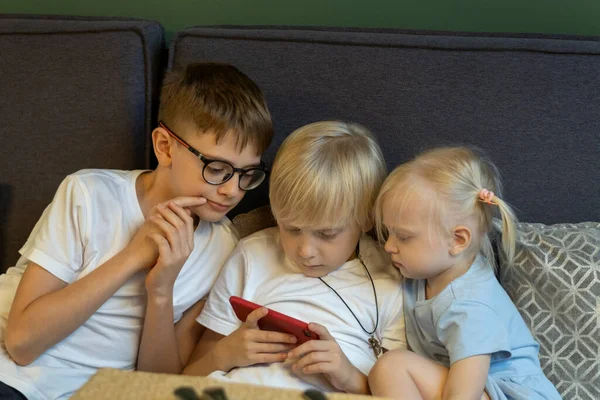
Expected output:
(325, 356)
(249, 345)
(273, 321)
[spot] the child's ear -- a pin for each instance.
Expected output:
(162, 146)
(461, 239)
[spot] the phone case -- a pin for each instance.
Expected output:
(273, 321)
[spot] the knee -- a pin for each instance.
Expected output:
(389, 366)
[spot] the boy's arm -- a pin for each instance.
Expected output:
(247, 345)
(325, 356)
(50, 303)
(46, 310)
(203, 360)
(188, 332)
(160, 347)
(466, 378)
(164, 348)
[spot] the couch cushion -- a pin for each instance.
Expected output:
(76, 93)
(253, 221)
(532, 102)
(555, 284)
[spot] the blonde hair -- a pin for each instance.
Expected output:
(327, 174)
(457, 175)
(218, 98)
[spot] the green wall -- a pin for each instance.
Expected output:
(536, 16)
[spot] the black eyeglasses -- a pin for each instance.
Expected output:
(217, 172)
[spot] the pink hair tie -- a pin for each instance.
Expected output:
(485, 196)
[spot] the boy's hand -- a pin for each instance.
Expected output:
(174, 239)
(142, 250)
(249, 345)
(324, 356)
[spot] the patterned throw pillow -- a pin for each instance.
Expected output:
(555, 284)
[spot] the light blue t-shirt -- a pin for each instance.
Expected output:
(473, 316)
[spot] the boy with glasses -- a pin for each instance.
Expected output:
(119, 256)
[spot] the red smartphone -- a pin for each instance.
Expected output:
(273, 321)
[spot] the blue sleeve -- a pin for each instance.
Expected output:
(470, 328)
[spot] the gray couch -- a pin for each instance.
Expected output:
(77, 93)
(83, 97)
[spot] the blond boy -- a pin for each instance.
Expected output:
(318, 265)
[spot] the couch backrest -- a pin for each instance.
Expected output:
(531, 102)
(76, 93)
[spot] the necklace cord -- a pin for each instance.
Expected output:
(374, 295)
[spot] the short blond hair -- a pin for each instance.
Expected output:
(456, 176)
(327, 174)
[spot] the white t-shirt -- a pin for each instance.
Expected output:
(93, 216)
(258, 270)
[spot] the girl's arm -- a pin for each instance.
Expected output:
(402, 374)
(466, 378)
(472, 332)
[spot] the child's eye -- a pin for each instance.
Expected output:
(291, 229)
(327, 235)
(402, 237)
(215, 171)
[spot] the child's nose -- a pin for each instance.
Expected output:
(306, 250)
(231, 187)
(390, 246)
